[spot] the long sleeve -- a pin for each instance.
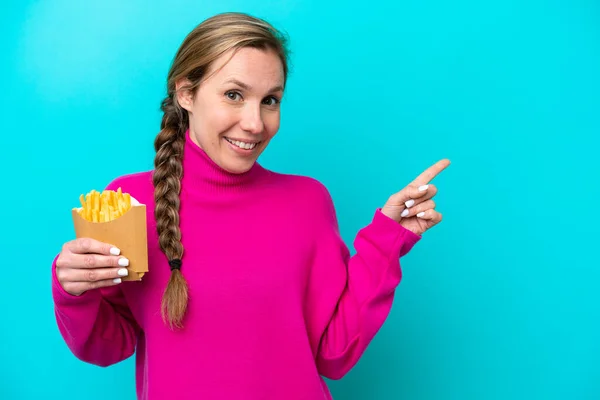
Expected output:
(97, 326)
(353, 296)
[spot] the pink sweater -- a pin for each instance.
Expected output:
(276, 301)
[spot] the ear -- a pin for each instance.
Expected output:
(184, 96)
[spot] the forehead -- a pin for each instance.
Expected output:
(255, 67)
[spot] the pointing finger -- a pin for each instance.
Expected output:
(431, 172)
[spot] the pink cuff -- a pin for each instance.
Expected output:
(405, 239)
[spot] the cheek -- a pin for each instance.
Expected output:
(223, 118)
(271, 122)
(215, 120)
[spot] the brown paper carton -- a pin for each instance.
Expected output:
(127, 232)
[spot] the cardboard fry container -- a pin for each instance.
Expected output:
(127, 232)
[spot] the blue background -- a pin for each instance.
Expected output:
(500, 301)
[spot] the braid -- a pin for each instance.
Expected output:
(168, 171)
(200, 49)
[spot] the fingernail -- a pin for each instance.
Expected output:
(123, 262)
(409, 203)
(423, 188)
(404, 213)
(114, 251)
(122, 272)
(421, 214)
(117, 280)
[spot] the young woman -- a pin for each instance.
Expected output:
(251, 292)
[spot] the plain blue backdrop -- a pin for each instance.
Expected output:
(500, 301)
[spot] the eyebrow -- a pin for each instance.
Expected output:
(249, 88)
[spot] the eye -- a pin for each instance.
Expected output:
(271, 101)
(233, 95)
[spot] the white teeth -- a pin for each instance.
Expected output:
(242, 145)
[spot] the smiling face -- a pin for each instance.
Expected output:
(235, 112)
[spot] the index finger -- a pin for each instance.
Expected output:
(431, 172)
(91, 246)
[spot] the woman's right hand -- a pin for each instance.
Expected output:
(86, 263)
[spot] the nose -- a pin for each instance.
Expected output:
(251, 120)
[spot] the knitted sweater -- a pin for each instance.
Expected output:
(276, 301)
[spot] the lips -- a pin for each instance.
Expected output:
(244, 145)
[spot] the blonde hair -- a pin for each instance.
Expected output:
(202, 46)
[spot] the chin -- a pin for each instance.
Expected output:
(237, 160)
(237, 166)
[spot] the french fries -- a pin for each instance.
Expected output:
(105, 206)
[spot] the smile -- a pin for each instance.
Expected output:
(242, 145)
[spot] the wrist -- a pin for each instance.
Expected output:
(389, 213)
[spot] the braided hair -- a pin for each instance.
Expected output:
(206, 43)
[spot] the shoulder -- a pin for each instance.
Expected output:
(139, 185)
(308, 186)
(308, 192)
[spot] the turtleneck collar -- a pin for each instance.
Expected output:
(202, 173)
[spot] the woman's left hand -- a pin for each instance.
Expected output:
(413, 206)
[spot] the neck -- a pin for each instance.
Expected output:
(202, 175)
